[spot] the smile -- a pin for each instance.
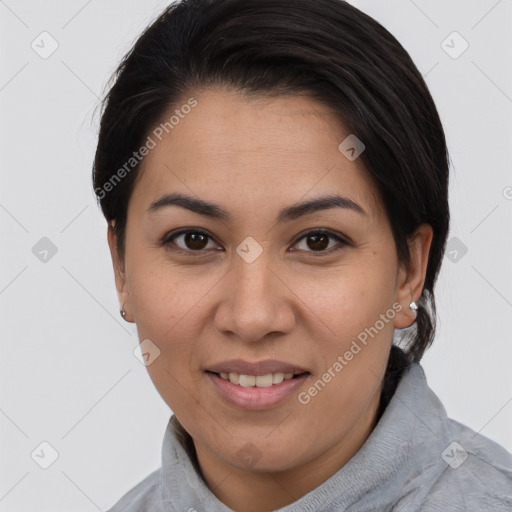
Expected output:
(255, 387)
(259, 381)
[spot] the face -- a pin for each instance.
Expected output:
(253, 284)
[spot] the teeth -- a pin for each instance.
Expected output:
(277, 378)
(247, 381)
(259, 381)
(264, 381)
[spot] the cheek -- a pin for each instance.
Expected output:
(358, 311)
(162, 306)
(354, 300)
(164, 299)
(164, 310)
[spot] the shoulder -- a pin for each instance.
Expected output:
(144, 497)
(477, 475)
(445, 465)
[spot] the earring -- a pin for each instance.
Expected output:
(413, 306)
(123, 313)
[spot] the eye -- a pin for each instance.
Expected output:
(190, 240)
(196, 240)
(319, 241)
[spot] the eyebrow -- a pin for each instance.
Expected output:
(287, 214)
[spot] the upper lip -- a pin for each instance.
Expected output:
(257, 368)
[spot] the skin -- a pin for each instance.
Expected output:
(253, 157)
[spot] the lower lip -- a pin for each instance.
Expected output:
(255, 398)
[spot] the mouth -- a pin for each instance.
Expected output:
(257, 381)
(256, 386)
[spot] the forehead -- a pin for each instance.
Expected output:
(249, 149)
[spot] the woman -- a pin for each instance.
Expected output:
(275, 179)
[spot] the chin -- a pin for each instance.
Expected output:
(264, 454)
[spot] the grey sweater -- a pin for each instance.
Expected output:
(416, 459)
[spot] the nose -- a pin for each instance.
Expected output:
(256, 302)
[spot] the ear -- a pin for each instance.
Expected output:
(119, 271)
(411, 280)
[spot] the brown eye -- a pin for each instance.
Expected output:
(188, 241)
(195, 241)
(319, 241)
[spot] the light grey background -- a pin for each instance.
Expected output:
(68, 374)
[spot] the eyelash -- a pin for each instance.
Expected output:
(169, 238)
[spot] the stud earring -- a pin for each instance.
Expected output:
(123, 313)
(413, 306)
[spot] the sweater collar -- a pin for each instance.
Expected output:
(408, 440)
